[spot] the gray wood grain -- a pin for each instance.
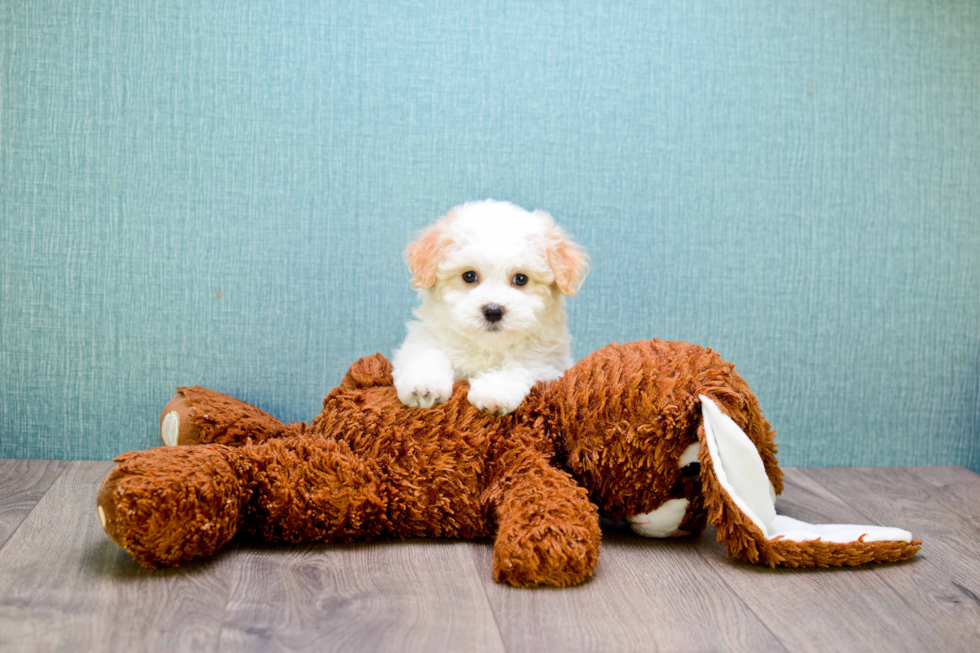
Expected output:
(956, 485)
(948, 594)
(22, 484)
(64, 586)
(871, 608)
(646, 595)
(947, 526)
(386, 596)
(896, 607)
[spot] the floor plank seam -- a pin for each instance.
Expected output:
(736, 595)
(231, 589)
(486, 597)
(10, 537)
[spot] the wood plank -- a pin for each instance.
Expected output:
(645, 595)
(898, 607)
(22, 484)
(956, 485)
(65, 586)
(387, 596)
(894, 496)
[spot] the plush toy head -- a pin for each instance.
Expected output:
(667, 436)
(664, 435)
(630, 417)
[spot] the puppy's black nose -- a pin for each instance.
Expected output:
(493, 312)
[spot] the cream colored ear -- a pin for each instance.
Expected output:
(741, 506)
(568, 262)
(423, 255)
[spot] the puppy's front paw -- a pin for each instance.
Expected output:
(496, 394)
(424, 391)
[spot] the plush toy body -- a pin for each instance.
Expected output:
(638, 431)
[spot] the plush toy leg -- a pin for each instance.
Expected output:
(741, 506)
(547, 529)
(201, 416)
(171, 505)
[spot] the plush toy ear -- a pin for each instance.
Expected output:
(741, 505)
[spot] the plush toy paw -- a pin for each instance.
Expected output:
(556, 555)
(497, 393)
(424, 389)
(176, 425)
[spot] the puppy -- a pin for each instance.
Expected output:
(492, 280)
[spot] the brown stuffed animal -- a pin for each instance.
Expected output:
(663, 434)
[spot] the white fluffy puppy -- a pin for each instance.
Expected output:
(491, 279)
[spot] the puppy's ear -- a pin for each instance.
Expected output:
(423, 255)
(568, 262)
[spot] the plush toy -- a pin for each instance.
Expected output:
(664, 435)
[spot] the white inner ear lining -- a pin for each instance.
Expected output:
(742, 475)
(738, 457)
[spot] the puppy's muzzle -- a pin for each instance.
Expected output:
(493, 313)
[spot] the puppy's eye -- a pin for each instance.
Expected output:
(691, 470)
(519, 279)
(470, 276)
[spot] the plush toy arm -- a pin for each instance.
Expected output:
(547, 529)
(368, 372)
(201, 416)
(741, 506)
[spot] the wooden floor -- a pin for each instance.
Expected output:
(65, 586)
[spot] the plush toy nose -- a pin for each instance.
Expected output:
(493, 312)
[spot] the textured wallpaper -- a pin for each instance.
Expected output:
(218, 193)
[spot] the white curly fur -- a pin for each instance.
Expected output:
(452, 339)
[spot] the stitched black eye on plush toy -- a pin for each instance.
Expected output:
(691, 470)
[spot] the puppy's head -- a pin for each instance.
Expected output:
(495, 272)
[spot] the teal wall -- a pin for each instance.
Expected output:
(218, 193)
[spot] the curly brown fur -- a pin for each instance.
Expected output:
(605, 438)
(627, 413)
(209, 417)
(743, 539)
(547, 529)
(172, 505)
